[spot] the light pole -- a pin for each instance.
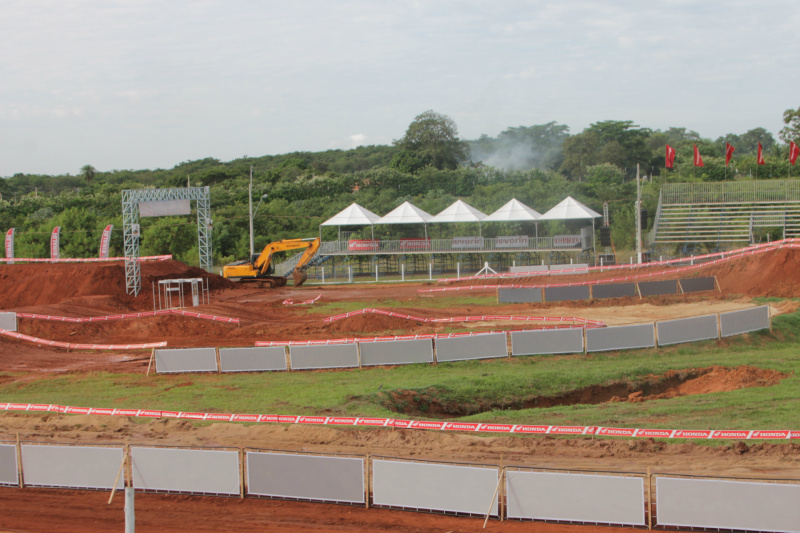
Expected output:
(252, 216)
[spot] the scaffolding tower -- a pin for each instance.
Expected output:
(130, 226)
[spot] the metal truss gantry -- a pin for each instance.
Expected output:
(130, 226)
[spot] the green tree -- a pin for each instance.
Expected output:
(791, 117)
(430, 140)
(618, 142)
(88, 172)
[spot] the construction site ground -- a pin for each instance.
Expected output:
(83, 290)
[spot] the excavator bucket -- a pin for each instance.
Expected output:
(299, 276)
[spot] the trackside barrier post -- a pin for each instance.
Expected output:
(116, 480)
(458, 270)
(349, 273)
(494, 497)
(367, 490)
(430, 271)
(402, 272)
(649, 494)
(241, 473)
(323, 274)
(150, 363)
(130, 514)
(19, 463)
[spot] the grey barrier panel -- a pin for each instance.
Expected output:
(547, 341)
(740, 505)
(308, 477)
(8, 321)
(575, 497)
(513, 296)
(657, 288)
(186, 360)
(563, 294)
(438, 487)
(396, 352)
(81, 467)
(8, 465)
(687, 329)
(324, 356)
(185, 470)
(736, 322)
(698, 284)
(485, 346)
(578, 268)
(613, 290)
(620, 337)
(260, 358)
(533, 269)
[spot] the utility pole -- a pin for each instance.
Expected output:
(250, 197)
(638, 217)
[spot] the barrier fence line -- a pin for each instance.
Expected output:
(730, 255)
(80, 259)
(129, 315)
(481, 427)
(74, 346)
(774, 245)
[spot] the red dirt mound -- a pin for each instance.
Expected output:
(33, 284)
(773, 273)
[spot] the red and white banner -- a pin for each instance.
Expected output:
(55, 243)
(760, 156)
(513, 241)
(10, 246)
(415, 244)
(669, 160)
(105, 241)
(462, 243)
(83, 259)
(362, 245)
(698, 160)
(106, 318)
(566, 241)
(78, 346)
(525, 429)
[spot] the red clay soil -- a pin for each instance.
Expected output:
(99, 289)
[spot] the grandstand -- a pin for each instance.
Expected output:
(726, 214)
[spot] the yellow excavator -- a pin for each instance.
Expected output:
(260, 268)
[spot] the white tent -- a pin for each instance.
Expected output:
(352, 215)
(571, 209)
(514, 210)
(460, 211)
(407, 213)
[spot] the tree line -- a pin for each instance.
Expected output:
(430, 166)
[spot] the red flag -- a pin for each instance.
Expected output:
(670, 160)
(698, 161)
(760, 158)
(794, 151)
(728, 153)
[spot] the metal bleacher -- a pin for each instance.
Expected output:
(726, 212)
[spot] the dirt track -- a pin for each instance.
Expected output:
(90, 290)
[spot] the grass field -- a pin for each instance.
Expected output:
(489, 390)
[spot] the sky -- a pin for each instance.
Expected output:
(146, 84)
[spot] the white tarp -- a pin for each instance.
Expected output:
(459, 212)
(406, 213)
(353, 215)
(569, 209)
(514, 210)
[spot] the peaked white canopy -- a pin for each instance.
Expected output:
(569, 209)
(406, 213)
(460, 211)
(512, 211)
(352, 215)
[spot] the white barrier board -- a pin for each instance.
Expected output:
(718, 504)
(437, 487)
(82, 467)
(8, 321)
(186, 470)
(8, 465)
(575, 497)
